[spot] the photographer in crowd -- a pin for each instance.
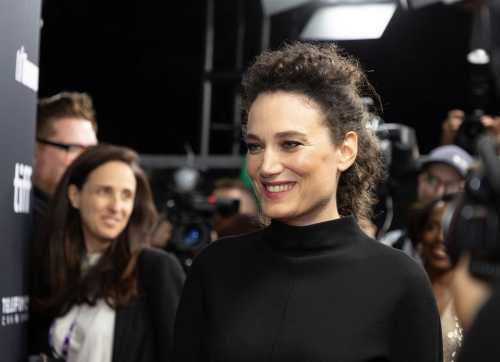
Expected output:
(245, 220)
(471, 229)
(455, 119)
(443, 172)
(102, 293)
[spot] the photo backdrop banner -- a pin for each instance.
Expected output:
(19, 44)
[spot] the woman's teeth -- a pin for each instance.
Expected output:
(279, 188)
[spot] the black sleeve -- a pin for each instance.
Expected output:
(189, 323)
(417, 327)
(162, 277)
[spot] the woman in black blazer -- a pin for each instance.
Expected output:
(102, 293)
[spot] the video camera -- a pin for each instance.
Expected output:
(471, 222)
(191, 216)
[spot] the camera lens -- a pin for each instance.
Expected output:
(192, 236)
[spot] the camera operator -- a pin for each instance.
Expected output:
(245, 220)
(471, 232)
(443, 172)
(455, 119)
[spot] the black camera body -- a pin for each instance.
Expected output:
(472, 220)
(469, 131)
(191, 216)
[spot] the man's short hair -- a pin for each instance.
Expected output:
(232, 183)
(63, 105)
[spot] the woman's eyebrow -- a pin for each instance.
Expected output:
(286, 134)
(251, 136)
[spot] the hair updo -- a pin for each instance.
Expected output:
(335, 82)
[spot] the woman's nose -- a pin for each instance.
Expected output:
(271, 163)
(114, 203)
(441, 235)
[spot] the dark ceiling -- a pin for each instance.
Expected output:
(142, 62)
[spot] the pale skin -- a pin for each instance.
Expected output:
(105, 204)
(291, 149)
(442, 172)
(50, 161)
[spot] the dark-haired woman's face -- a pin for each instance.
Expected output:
(433, 249)
(292, 161)
(105, 203)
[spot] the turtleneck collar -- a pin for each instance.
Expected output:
(316, 237)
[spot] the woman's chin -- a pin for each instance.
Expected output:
(281, 215)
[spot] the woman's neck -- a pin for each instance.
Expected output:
(95, 245)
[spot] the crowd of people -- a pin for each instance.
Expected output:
(294, 275)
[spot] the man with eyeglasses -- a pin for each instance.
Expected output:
(66, 127)
(443, 172)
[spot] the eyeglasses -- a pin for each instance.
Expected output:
(450, 187)
(70, 149)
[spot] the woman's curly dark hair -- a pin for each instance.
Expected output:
(335, 81)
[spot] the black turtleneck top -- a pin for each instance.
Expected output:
(323, 292)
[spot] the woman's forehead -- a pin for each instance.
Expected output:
(284, 112)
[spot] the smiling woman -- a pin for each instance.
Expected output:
(97, 274)
(311, 286)
(425, 231)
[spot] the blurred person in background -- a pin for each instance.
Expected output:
(454, 120)
(443, 172)
(311, 286)
(245, 220)
(102, 294)
(477, 297)
(425, 231)
(66, 127)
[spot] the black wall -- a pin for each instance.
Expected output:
(19, 42)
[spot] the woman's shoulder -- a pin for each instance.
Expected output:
(153, 259)
(153, 254)
(228, 248)
(391, 261)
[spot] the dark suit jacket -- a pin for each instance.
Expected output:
(143, 332)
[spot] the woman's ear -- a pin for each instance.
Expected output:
(349, 151)
(74, 196)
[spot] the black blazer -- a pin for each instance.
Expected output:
(143, 332)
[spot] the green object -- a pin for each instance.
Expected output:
(246, 179)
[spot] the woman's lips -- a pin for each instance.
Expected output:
(110, 221)
(277, 190)
(440, 253)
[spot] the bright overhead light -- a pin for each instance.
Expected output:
(478, 56)
(272, 7)
(349, 22)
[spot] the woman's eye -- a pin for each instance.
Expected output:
(253, 147)
(102, 191)
(127, 195)
(432, 227)
(291, 144)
